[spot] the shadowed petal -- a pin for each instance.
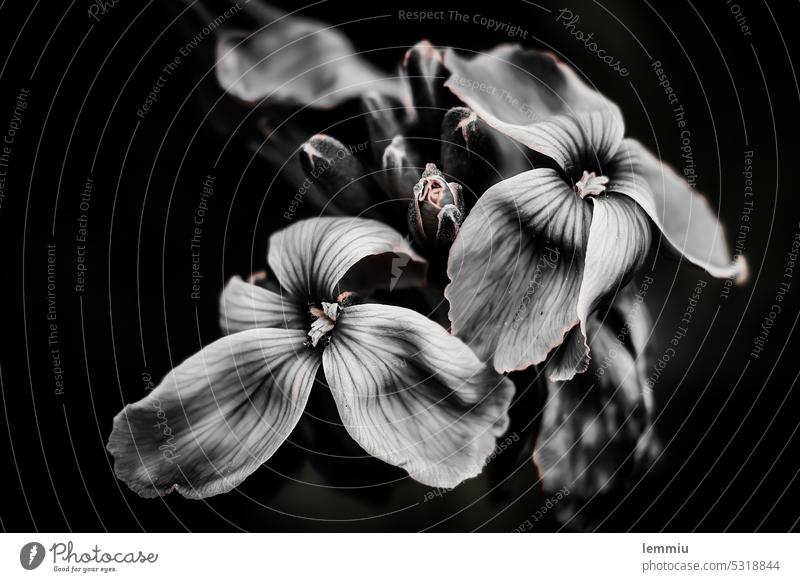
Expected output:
(515, 269)
(413, 395)
(216, 417)
(321, 257)
(683, 215)
(296, 60)
(245, 306)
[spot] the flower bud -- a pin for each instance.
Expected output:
(436, 213)
(399, 169)
(425, 72)
(331, 165)
(382, 114)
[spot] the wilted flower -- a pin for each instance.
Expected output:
(592, 197)
(224, 411)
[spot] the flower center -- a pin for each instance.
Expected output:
(324, 321)
(325, 315)
(590, 184)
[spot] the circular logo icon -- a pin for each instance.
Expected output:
(31, 555)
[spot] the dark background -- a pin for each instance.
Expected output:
(728, 421)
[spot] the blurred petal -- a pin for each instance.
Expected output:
(684, 216)
(297, 60)
(516, 267)
(596, 426)
(245, 306)
(319, 258)
(216, 417)
(511, 88)
(414, 396)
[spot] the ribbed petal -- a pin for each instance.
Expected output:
(683, 215)
(216, 417)
(516, 268)
(584, 141)
(319, 258)
(619, 239)
(246, 306)
(413, 395)
(296, 60)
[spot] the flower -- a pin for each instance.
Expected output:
(591, 199)
(220, 414)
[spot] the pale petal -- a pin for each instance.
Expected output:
(513, 90)
(245, 306)
(683, 215)
(216, 417)
(319, 258)
(515, 86)
(516, 267)
(619, 239)
(296, 60)
(413, 395)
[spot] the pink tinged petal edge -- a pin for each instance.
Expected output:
(683, 215)
(244, 306)
(216, 417)
(321, 257)
(296, 60)
(515, 269)
(414, 396)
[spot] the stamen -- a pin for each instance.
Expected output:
(324, 321)
(590, 184)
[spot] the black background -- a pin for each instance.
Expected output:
(728, 421)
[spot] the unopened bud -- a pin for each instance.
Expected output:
(437, 211)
